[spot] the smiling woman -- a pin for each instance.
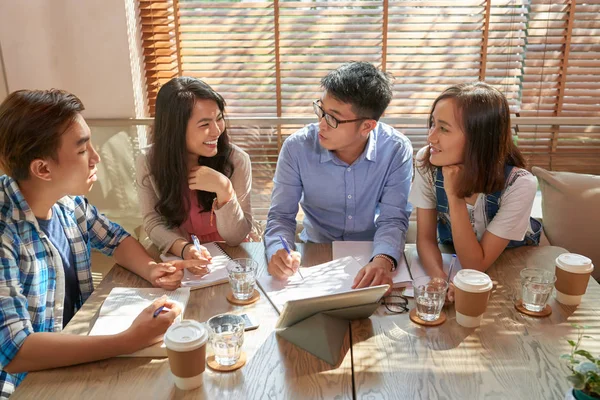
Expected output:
(193, 181)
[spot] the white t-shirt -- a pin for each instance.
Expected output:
(512, 219)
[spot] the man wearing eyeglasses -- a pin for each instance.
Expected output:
(350, 173)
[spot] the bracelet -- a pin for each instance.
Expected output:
(183, 249)
(388, 259)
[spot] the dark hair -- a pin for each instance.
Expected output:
(360, 84)
(167, 158)
(485, 120)
(31, 124)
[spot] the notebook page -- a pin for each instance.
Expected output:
(362, 252)
(332, 277)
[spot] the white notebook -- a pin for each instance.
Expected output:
(332, 277)
(218, 272)
(417, 270)
(123, 305)
(362, 252)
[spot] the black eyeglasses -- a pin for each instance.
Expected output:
(330, 119)
(396, 304)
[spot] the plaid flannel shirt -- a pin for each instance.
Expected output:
(32, 281)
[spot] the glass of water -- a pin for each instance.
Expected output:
(430, 295)
(536, 286)
(242, 277)
(226, 337)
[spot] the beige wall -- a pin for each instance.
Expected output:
(79, 46)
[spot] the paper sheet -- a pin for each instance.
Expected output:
(332, 277)
(363, 251)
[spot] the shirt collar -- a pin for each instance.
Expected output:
(21, 210)
(370, 152)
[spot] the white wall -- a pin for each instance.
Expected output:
(77, 45)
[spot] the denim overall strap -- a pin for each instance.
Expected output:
(492, 205)
(443, 222)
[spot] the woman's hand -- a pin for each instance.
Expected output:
(452, 176)
(209, 180)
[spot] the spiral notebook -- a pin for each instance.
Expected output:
(218, 272)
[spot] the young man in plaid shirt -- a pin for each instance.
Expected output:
(47, 230)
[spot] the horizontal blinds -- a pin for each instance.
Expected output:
(267, 58)
(159, 40)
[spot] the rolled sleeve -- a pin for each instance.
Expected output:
(394, 208)
(287, 191)
(15, 324)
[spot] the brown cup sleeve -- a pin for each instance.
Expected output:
(189, 363)
(470, 304)
(571, 284)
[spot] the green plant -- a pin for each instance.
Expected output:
(585, 368)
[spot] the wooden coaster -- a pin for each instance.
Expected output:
(251, 300)
(415, 318)
(215, 366)
(544, 313)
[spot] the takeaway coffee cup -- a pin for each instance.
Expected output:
(186, 348)
(572, 275)
(471, 295)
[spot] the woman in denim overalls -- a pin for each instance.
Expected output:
(471, 189)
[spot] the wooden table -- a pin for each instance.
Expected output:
(275, 369)
(510, 356)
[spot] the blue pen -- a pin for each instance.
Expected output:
(157, 312)
(286, 246)
(451, 266)
(196, 242)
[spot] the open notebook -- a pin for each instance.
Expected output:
(363, 251)
(218, 272)
(123, 305)
(332, 277)
(417, 270)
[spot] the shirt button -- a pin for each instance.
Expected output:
(349, 196)
(349, 169)
(349, 216)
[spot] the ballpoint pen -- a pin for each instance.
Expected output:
(197, 246)
(451, 267)
(286, 246)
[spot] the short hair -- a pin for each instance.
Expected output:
(31, 125)
(366, 88)
(484, 116)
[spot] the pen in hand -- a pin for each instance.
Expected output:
(286, 246)
(197, 246)
(158, 311)
(451, 267)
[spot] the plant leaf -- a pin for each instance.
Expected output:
(577, 380)
(586, 354)
(572, 343)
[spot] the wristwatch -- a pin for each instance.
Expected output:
(388, 259)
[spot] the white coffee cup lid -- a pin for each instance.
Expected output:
(471, 280)
(186, 335)
(574, 263)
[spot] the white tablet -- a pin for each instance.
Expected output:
(295, 311)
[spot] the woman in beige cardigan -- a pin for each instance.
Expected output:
(192, 180)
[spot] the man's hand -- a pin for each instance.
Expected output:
(377, 272)
(147, 330)
(283, 265)
(452, 176)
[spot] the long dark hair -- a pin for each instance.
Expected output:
(167, 158)
(485, 120)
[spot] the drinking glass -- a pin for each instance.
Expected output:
(536, 286)
(430, 295)
(242, 277)
(226, 337)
